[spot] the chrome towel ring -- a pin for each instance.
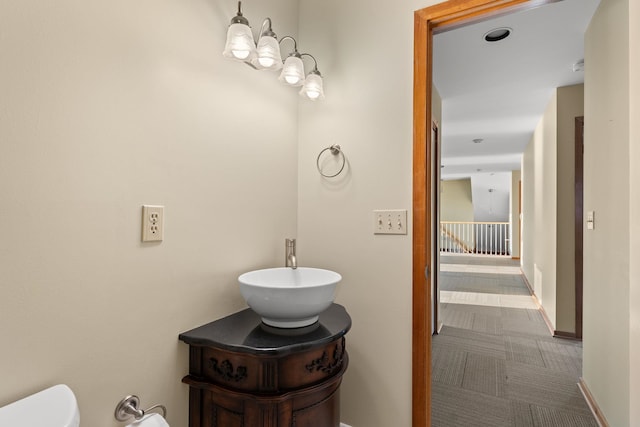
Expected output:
(336, 151)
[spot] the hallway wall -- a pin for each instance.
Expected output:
(548, 207)
(528, 175)
(456, 203)
(610, 279)
(514, 212)
(490, 194)
(539, 207)
(634, 212)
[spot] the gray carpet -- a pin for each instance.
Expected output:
(496, 365)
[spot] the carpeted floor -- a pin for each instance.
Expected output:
(494, 361)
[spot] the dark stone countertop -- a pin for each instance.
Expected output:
(244, 332)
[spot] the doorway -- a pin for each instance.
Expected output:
(428, 21)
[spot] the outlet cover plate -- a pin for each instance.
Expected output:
(152, 223)
(390, 221)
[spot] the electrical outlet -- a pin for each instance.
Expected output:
(152, 223)
(390, 221)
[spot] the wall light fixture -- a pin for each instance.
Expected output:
(266, 55)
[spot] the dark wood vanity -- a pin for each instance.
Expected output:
(243, 373)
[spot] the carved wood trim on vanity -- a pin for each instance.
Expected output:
(242, 371)
(323, 364)
(226, 372)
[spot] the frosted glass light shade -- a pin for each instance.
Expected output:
(240, 45)
(267, 54)
(312, 88)
(292, 71)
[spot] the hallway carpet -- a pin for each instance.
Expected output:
(495, 362)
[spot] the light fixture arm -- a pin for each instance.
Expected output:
(295, 44)
(315, 63)
(268, 31)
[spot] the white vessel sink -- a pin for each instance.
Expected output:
(289, 298)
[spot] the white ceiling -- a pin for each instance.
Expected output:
(498, 91)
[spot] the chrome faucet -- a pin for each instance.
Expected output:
(290, 253)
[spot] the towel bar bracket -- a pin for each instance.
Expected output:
(129, 408)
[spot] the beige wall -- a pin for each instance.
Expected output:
(456, 200)
(634, 209)
(546, 225)
(548, 207)
(528, 213)
(514, 213)
(608, 188)
(106, 106)
(368, 64)
(457, 205)
(539, 209)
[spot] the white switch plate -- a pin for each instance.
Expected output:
(591, 224)
(390, 221)
(152, 223)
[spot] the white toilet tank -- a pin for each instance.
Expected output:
(53, 407)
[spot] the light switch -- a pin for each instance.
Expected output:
(390, 221)
(591, 220)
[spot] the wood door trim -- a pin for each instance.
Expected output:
(579, 214)
(421, 337)
(441, 17)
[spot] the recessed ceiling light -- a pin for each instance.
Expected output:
(497, 34)
(477, 140)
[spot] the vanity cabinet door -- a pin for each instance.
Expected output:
(318, 406)
(323, 412)
(221, 411)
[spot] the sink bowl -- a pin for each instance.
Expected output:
(288, 298)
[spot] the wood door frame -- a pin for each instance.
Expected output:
(579, 212)
(434, 19)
